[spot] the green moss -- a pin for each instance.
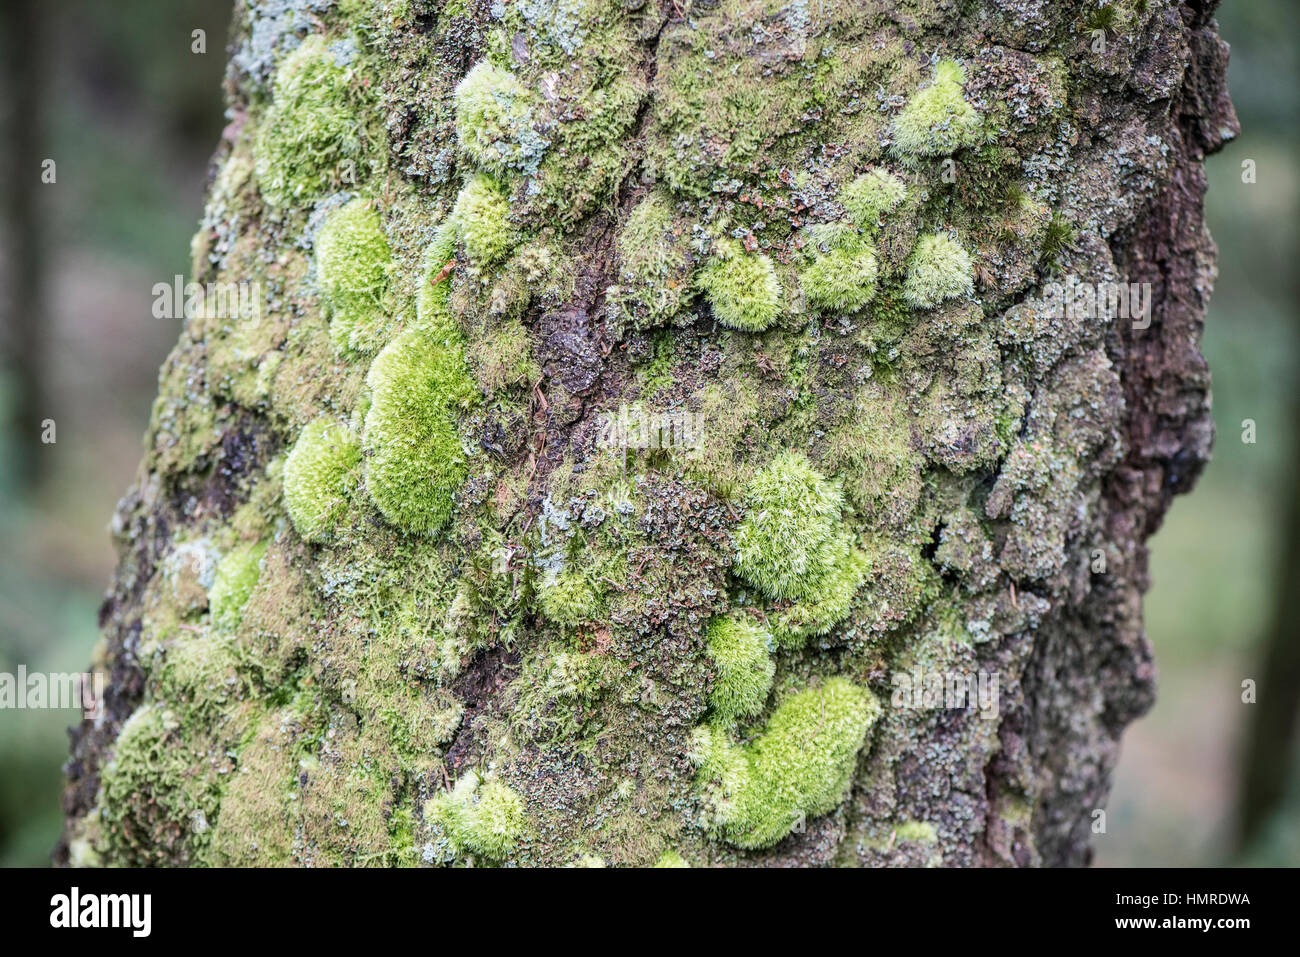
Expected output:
(504, 358)
(920, 831)
(794, 547)
(800, 766)
(318, 476)
(937, 120)
(741, 287)
(310, 139)
(938, 269)
(671, 858)
(827, 599)
(157, 796)
(569, 598)
(841, 276)
(738, 647)
(237, 574)
(480, 220)
(871, 196)
(654, 264)
(1057, 238)
(352, 259)
(414, 459)
(199, 675)
(494, 121)
(478, 816)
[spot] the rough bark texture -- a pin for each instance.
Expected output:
(385, 595)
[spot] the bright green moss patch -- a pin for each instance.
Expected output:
(309, 139)
(414, 459)
(938, 269)
(741, 287)
(919, 831)
(827, 598)
(794, 545)
(800, 766)
(318, 475)
(237, 574)
(738, 647)
(569, 598)
(478, 816)
(937, 120)
(494, 121)
(871, 196)
(841, 276)
(481, 222)
(352, 258)
(671, 859)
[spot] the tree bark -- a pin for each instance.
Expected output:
(639, 402)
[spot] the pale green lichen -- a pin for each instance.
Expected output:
(871, 196)
(494, 121)
(478, 816)
(937, 120)
(414, 459)
(319, 473)
(800, 766)
(352, 259)
(938, 269)
(309, 140)
(793, 545)
(742, 287)
(739, 649)
(841, 275)
(237, 574)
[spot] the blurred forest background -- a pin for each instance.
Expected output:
(113, 93)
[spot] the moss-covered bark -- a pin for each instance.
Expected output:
(394, 590)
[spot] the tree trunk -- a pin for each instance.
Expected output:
(646, 417)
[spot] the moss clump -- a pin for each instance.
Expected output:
(671, 859)
(938, 269)
(937, 120)
(309, 140)
(841, 276)
(569, 599)
(237, 574)
(738, 647)
(654, 267)
(494, 121)
(871, 196)
(414, 459)
(741, 287)
(352, 259)
(477, 816)
(827, 599)
(793, 545)
(157, 797)
(318, 475)
(480, 221)
(800, 766)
